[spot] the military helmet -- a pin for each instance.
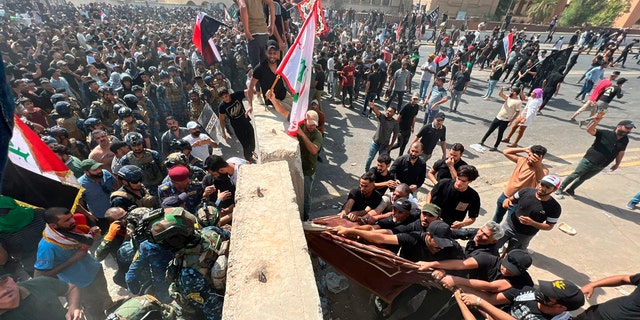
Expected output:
(133, 139)
(125, 112)
(63, 108)
(130, 173)
(174, 229)
(130, 99)
(134, 88)
(91, 122)
(164, 75)
(208, 79)
(176, 158)
(57, 131)
(106, 89)
(179, 145)
(57, 97)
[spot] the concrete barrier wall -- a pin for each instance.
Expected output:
(270, 274)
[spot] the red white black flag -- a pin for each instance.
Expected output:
(203, 30)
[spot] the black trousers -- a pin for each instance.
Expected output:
(496, 124)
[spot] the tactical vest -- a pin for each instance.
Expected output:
(142, 308)
(152, 173)
(129, 127)
(203, 257)
(71, 124)
(147, 201)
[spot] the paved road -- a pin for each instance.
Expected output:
(607, 241)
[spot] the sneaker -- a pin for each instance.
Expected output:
(580, 124)
(482, 144)
(570, 192)
(573, 120)
(485, 98)
(631, 206)
(493, 149)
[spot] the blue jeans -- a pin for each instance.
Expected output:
(636, 199)
(500, 211)
(492, 85)
(586, 88)
(308, 186)
(429, 115)
(257, 49)
(424, 87)
(373, 150)
(367, 98)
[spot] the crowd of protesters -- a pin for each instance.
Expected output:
(118, 92)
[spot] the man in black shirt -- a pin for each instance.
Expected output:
(384, 179)
(456, 198)
(609, 145)
(410, 169)
(430, 213)
(231, 107)
(480, 240)
(551, 86)
(606, 96)
(459, 84)
(622, 308)
(487, 273)
(448, 168)
(372, 87)
(407, 120)
(537, 210)
(363, 200)
(265, 74)
(430, 134)
(401, 215)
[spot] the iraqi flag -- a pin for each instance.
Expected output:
(227, 16)
(295, 69)
(203, 30)
(35, 175)
(507, 43)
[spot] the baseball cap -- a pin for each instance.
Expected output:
(441, 233)
(627, 124)
(432, 56)
(551, 181)
(616, 73)
(402, 204)
(314, 116)
(566, 293)
(621, 80)
(90, 164)
(517, 261)
(415, 96)
(432, 209)
(440, 116)
(271, 44)
(179, 173)
(173, 201)
(192, 125)
(314, 101)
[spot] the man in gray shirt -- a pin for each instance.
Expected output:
(400, 82)
(385, 135)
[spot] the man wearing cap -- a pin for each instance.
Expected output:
(608, 145)
(459, 202)
(435, 244)
(265, 74)
(181, 184)
(621, 308)
(486, 272)
(401, 214)
(232, 108)
(537, 210)
(407, 121)
(385, 135)
(38, 298)
(552, 300)
(428, 71)
(97, 184)
(429, 213)
(201, 143)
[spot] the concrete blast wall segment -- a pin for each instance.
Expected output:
(270, 274)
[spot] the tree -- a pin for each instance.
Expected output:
(594, 12)
(541, 10)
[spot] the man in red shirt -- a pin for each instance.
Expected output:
(595, 94)
(348, 73)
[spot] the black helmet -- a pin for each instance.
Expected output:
(208, 79)
(130, 173)
(125, 77)
(58, 132)
(135, 88)
(63, 108)
(179, 145)
(133, 139)
(57, 97)
(153, 69)
(172, 68)
(131, 100)
(164, 75)
(106, 89)
(125, 112)
(91, 122)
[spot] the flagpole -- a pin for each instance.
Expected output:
(275, 82)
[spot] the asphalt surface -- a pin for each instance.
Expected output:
(606, 241)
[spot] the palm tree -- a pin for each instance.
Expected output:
(541, 10)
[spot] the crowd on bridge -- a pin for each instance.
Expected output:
(124, 98)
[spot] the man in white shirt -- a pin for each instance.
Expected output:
(200, 142)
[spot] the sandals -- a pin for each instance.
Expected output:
(567, 229)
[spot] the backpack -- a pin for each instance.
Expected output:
(145, 307)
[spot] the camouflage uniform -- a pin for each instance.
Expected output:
(151, 165)
(103, 110)
(121, 128)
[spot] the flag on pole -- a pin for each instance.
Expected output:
(507, 43)
(203, 30)
(399, 32)
(432, 17)
(295, 69)
(35, 175)
(227, 16)
(306, 6)
(103, 17)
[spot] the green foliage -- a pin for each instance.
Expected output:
(541, 10)
(593, 12)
